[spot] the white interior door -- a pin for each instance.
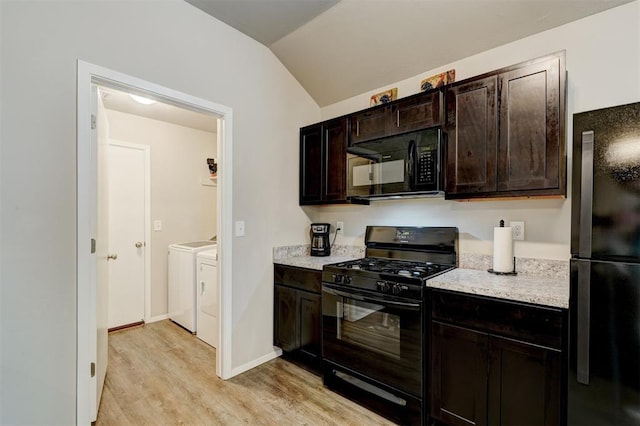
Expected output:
(101, 133)
(128, 176)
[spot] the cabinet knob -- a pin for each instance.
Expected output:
(112, 257)
(139, 244)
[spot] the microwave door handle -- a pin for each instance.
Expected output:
(410, 163)
(439, 158)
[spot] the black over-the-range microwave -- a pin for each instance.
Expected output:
(398, 166)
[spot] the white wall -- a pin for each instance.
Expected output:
(603, 54)
(1, 271)
(169, 43)
(186, 208)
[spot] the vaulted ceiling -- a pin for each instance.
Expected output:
(340, 48)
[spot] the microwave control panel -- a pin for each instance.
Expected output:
(427, 166)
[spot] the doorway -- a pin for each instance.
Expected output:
(181, 201)
(88, 257)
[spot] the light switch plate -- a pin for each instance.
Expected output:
(240, 228)
(157, 225)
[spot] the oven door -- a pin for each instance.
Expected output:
(378, 337)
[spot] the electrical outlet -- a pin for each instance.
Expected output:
(340, 227)
(517, 230)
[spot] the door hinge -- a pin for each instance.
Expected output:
(93, 369)
(93, 245)
(93, 122)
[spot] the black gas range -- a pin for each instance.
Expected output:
(396, 277)
(373, 319)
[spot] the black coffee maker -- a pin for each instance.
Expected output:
(320, 245)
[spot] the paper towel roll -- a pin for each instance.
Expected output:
(502, 250)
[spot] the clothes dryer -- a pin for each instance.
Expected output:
(182, 282)
(207, 296)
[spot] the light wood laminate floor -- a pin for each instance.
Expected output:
(160, 374)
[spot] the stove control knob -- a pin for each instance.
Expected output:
(383, 286)
(337, 278)
(399, 288)
(347, 279)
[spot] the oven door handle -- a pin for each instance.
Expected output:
(402, 305)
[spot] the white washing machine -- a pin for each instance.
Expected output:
(207, 296)
(182, 281)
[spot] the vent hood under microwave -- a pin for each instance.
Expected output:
(402, 166)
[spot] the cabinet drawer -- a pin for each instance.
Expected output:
(300, 278)
(535, 324)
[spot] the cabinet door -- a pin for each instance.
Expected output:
(286, 331)
(311, 164)
(310, 316)
(458, 375)
(369, 124)
(471, 124)
(531, 148)
(524, 383)
(335, 163)
(417, 113)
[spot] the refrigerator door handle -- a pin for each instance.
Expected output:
(586, 194)
(584, 305)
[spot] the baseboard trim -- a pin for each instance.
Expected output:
(126, 326)
(157, 318)
(256, 362)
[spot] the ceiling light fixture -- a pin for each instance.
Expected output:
(142, 100)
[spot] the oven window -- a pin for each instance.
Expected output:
(366, 325)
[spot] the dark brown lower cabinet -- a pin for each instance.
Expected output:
(310, 312)
(480, 377)
(286, 324)
(297, 314)
(458, 375)
(524, 383)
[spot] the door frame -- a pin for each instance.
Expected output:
(87, 75)
(146, 149)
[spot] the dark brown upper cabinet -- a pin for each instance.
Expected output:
(311, 164)
(417, 112)
(405, 115)
(506, 132)
(532, 127)
(323, 162)
(472, 136)
(369, 124)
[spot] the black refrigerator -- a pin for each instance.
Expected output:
(603, 385)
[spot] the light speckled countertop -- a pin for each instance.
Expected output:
(299, 256)
(311, 262)
(539, 281)
(539, 290)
